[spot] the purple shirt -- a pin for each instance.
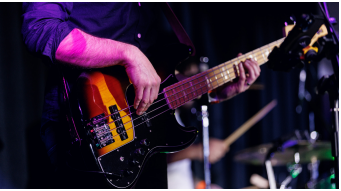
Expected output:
(45, 25)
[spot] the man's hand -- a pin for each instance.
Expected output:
(144, 78)
(86, 51)
(218, 149)
(245, 80)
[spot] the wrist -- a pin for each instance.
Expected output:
(128, 53)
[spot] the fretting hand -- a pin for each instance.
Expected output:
(245, 80)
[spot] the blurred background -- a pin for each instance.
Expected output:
(219, 31)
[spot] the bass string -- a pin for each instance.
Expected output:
(151, 111)
(162, 99)
(172, 101)
(226, 64)
(160, 106)
(155, 103)
(140, 123)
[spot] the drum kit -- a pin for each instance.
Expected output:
(292, 152)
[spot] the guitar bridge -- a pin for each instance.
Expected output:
(100, 132)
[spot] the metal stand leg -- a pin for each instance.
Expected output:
(206, 146)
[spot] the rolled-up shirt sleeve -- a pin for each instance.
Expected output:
(45, 26)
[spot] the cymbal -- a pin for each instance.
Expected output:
(308, 152)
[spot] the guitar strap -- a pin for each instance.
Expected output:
(176, 26)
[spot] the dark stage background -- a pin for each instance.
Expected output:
(219, 31)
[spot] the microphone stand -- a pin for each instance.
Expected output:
(206, 148)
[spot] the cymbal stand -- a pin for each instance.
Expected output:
(313, 167)
(294, 170)
(206, 148)
(269, 169)
(278, 145)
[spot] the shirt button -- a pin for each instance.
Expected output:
(138, 35)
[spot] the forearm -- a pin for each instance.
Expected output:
(86, 51)
(193, 152)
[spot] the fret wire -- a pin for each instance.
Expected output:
(228, 63)
(192, 88)
(176, 96)
(228, 72)
(223, 75)
(215, 76)
(176, 106)
(253, 56)
(219, 72)
(190, 99)
(267, 51)
(181, 87)
(177, 99)
(250, 55)
(208, 81)
(263, 55)
(187, 95)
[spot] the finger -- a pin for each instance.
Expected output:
(256, 63)
(144, 102)
(146, 108)
(138, 97)
(239, 54)
(242, 78)
(255, 67)
(250, 70)
(154, 92)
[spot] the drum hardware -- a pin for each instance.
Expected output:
(290, 55)
(290, 152)
(294, 170)
(314, 173)
(256, 155)
(288, 149)
(230, 139)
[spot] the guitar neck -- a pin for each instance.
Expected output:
(199, 84)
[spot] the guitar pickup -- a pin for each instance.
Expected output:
(145, 119)
(115, 115)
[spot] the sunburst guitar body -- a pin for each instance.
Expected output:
(120, 140)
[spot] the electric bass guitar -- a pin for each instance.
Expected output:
(121, 141)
